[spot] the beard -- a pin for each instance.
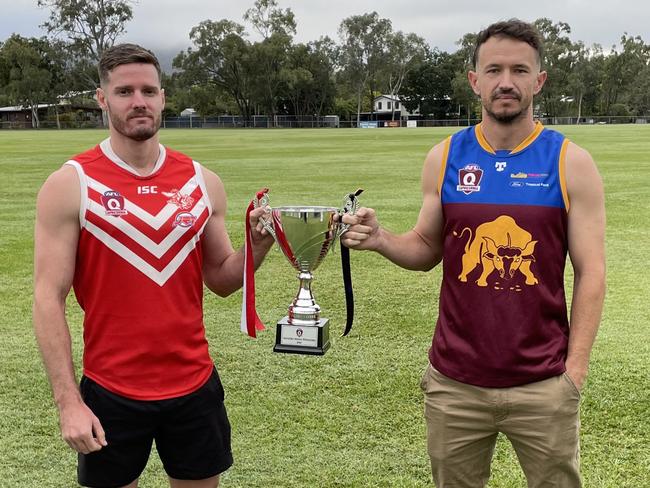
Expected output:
(506, 116)
(141, 132)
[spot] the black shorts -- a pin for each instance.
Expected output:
(192, 435)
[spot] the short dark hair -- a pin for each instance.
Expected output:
(514, 29)
(125, 54)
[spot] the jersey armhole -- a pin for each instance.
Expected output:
(443, 165)
(204, 189)
(83, 186)
(562, 173)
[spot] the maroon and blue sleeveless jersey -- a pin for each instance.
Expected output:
(503, 316)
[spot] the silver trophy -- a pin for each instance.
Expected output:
(305, 234)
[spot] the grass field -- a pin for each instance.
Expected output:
(352, 418)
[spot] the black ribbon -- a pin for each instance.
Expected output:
(347, 282)
(347, 276)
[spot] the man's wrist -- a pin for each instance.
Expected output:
(68, 398)
(380, 241)
(577, 369)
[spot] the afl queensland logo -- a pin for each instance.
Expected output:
(113, 203)
(469, 179)
(184, 219)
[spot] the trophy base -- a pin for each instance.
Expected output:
(302, 339)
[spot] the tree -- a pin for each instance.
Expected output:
(640, 93)
(90, 25)
(621, 70)
(267, 19)
(428, 87)
(464, 96)
(206, 99)
(322, 64)
(363, 52)
(221, 56)
(585, 78)
(405, 51)
(462, 93)
(558, 61)
(31, 73)
(270, 55)
(307, 79)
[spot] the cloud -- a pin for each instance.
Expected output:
(164, 25)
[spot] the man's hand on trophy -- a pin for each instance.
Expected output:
(364, 230)
(260, 235)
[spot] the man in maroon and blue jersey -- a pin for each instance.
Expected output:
(503, 204)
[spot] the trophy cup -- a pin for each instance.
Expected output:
(305, 234)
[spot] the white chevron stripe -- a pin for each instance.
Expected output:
(154, 221)
(157, 250)
(159, 277)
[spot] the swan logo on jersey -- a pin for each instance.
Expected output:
(502, 246)
(113, 203)
(184, 219)
(469, 179)
(184, 202)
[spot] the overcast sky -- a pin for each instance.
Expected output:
(164, 25)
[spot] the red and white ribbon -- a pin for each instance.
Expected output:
(250, 321)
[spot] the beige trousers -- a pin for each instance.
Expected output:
(541, 420)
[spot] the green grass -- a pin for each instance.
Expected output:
(352, 418)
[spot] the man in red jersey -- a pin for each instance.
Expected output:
(504, 202)
(137, 229)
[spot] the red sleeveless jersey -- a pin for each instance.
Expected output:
(138, 274)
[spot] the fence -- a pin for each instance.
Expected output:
(332, 121)
(256, 121)
(290, 122)
(49, 124)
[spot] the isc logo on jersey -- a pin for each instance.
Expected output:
(147, 190)
(113, 202)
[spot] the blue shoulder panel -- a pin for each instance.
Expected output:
(528, 177)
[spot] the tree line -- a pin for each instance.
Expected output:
(224, 72)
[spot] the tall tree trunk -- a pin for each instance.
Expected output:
(579, 108)
(359, 106)
(35, 121)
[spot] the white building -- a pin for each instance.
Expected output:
(188, 112)
(386, 104)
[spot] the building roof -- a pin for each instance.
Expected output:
(21, 108)
(396, 99)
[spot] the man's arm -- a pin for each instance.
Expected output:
(418, 249)
(223, 267)
(55, 245)
(587, 253)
